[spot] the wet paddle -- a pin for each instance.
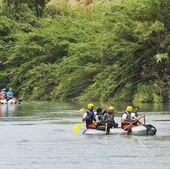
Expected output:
(77, 127)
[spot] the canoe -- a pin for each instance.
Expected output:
(145, 130)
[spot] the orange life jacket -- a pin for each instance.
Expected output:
(1, 96)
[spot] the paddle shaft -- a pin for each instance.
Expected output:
(106, 126)
(133, 122)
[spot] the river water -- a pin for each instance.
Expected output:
(38, 135)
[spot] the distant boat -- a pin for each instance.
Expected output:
(11, 101)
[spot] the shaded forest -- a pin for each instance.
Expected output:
(100, 50)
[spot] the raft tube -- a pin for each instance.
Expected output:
(145, 130)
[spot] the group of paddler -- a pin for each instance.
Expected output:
(7, 96)
(104, 120)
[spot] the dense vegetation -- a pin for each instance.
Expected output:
(106, 50)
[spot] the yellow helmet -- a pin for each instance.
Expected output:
(110, 108)
(129, 108)
(90, 106)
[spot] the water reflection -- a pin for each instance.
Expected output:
(71, 109)
(7, 110)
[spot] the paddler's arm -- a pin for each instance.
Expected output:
(84, 117)
(134, 118)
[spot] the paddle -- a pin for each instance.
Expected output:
(77, 127)
(131, 124)
(144, 121)
(106, 126)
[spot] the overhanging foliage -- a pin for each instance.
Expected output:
(103, 51)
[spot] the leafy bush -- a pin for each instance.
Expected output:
(102, 51)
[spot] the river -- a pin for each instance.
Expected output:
(38, 135)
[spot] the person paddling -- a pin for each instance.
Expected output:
(3, 91)
(98, 118)
(135, 110)
(2, 97)
(10, 94)
(89, 116)
(127, 119)
(108, 118)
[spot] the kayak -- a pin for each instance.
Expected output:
(143, 130)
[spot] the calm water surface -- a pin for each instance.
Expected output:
(38, 135)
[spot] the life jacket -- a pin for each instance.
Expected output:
(104, 112)
(91, 117)
(108, 116)
(10, 95)
(128, 118)
(1, 96)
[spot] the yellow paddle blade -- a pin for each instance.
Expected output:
(77, 127)
(81, 110)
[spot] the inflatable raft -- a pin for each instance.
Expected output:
(145, 130)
